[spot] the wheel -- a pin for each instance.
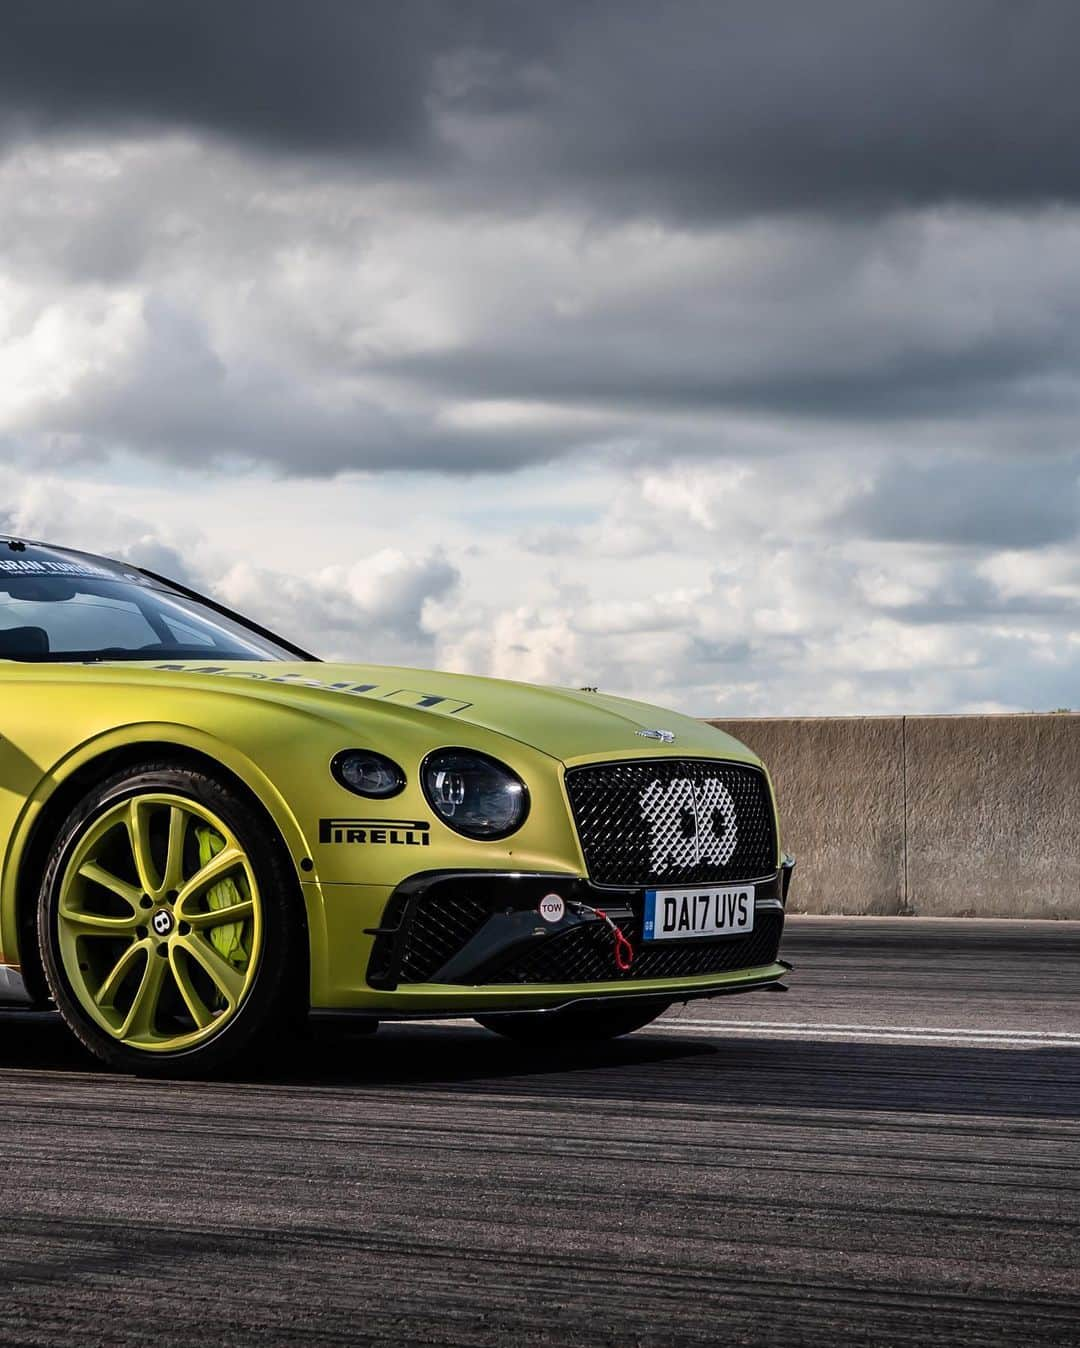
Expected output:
(167, 923)
(574, 1022)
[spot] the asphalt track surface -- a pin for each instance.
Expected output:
(890, 1153)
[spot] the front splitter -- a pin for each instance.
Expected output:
(434, 1001)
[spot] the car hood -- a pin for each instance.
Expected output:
(568, 724)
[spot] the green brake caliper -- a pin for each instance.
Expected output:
(228, 938)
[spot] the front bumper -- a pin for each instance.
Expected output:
(446, 941)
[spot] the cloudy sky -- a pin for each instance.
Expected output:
(721, 354)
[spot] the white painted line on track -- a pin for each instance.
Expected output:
(954, 1031)
(777, 1029)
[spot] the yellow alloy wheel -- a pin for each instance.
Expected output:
(159, 924)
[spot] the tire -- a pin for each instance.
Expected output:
(170, 930)
(573, 1023)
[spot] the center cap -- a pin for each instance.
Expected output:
(162, 922)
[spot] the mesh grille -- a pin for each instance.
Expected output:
(585, 955)
(437, 931)
(671, 822)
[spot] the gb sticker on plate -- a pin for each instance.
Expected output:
(552, 908)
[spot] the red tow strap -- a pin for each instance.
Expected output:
(624, 951)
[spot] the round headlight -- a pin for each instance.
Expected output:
(474, 794)
(367, 773)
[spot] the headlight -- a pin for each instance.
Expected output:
(367, 773)
(474, 794)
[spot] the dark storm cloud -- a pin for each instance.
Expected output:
(660, 342)
(175, 399)
(988, 504)
(289, 75)
(590, 363)
(694, 108)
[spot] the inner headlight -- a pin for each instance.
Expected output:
(474, 794)
(367, 773)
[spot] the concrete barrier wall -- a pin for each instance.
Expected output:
(935, 816)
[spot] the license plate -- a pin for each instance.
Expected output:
(680, 914)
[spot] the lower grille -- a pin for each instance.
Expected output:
(470, 929)
(433, 928)
(585, 955)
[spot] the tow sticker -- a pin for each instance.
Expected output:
(552, 908)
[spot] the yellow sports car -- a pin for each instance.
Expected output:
(208, 835)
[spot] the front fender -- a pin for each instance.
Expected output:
(158, 737)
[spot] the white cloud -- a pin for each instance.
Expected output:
(375, 609)
(188, 302)
(746, 449)
(756, 623)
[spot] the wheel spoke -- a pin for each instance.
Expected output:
(120, 970)
(98, 875)
(140, 1019)
(228, 980)
(96, 924)
(194, 1003)
(139, 832)
(217, 917)
(174, 861)
(217, 867)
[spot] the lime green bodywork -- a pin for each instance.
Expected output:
(276, 727)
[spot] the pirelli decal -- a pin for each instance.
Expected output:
(377, 832)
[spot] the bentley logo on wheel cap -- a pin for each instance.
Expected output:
(162, 922)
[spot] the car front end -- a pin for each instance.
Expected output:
(483, 866)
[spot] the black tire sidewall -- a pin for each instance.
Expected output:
(267, 1003)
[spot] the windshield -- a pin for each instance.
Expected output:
(77, 618)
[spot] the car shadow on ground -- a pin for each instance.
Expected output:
(425, 1054)
(661, 1065)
